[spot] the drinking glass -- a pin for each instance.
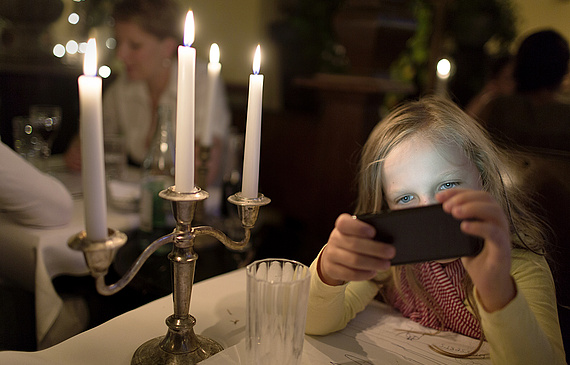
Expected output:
(123, 190)
(115, 156)
(28, 143)
(46, 120)
(276, 311)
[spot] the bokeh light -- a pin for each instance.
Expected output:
(111, 43)
(104, 71)
(59, 50)
(82, 47)
(73, 18)
(72, 47)
(443, 68)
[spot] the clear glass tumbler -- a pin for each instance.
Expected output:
(276, 311)
(28, 142)
(46, 120)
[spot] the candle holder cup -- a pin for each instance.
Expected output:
(180, 345)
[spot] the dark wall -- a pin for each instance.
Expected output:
(23, 85)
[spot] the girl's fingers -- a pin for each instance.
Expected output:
(358, 260)
(352, 254)
(357, 237)
(492, 234)
(454, 197)
(337, 265)
(481, 216)
(349, 225)
(473, 205)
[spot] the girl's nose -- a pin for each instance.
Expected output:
(427, 200)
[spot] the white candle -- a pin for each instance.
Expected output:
(91, 132)
(185, 110)
(253, 131)
(214, 69)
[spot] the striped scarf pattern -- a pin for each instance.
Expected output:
(443, 283)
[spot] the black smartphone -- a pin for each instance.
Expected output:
(423, 234)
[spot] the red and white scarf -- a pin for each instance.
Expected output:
(444, 284)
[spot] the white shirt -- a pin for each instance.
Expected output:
(31, 197)
(127, 109)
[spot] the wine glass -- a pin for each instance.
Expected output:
(27, 142)
(46, 120)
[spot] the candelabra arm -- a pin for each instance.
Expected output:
(248, 210)
(104, 289)
(222, 237)
(99, 256)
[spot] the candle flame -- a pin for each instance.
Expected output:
(257, 60)
(189, 29)
(90, 60)
(214, 53)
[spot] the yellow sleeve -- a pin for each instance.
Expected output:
(526, 331)
(332, 307)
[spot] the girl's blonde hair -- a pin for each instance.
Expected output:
(444, 123)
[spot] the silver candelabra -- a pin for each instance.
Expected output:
(180, 345)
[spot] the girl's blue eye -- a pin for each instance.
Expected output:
(448, 185)
(405, 199)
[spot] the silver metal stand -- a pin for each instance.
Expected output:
(180, 345)
(202, 180)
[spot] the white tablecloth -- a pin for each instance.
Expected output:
(31, 257)
(218, 305)
(379, 335)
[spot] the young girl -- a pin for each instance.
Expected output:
(428, 152)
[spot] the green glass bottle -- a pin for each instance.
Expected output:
(158, 174)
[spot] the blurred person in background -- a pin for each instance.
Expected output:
(500, 82)
(534, 116)
(148, 33)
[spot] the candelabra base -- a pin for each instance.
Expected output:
(151, 352)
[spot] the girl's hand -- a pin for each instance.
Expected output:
(483, 217)
(351, 254)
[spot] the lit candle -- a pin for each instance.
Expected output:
(214, 69)
(185, 110)
(91, 132)
(253, 131)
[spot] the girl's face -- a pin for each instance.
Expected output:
(416, 170)
(141, 52)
